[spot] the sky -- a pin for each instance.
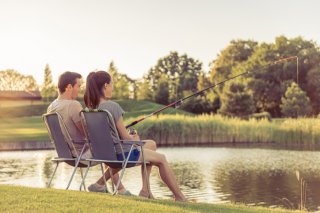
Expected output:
(84, 35)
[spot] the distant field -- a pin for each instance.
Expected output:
(23, 129)
(19, 103)
(132, 107)
(15, 127)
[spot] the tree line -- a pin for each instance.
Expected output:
(281, 90)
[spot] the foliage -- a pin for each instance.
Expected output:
(236, 100)
(11, 80)
(48, 89)
(261, 115)
(144, 90)
(161, 93)
(313, 85)
(183, 129)
(179, 71)
(295, 102)
(121, 83)
(270, 83)
(237, 52)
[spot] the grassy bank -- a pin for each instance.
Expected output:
(188, 130)
(173, 127)
(23, 129)
(133, 108)
(24, 123)
(209, 129)
(23, 199)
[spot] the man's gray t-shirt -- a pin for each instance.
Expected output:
(117, 112)
(70, 113)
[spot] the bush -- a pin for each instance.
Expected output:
(261, 115)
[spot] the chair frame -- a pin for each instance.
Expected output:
(68, 144)
(111, 163)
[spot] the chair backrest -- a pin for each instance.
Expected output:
(56, 134)
(98, 126)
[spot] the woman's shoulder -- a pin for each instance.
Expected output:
(108, 104)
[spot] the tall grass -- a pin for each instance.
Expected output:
(209, 129)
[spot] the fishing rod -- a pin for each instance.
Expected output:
(179, 102)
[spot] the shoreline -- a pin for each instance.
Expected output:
(47, 145)
(26, 145)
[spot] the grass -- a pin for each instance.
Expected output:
(24, 123)
(133, 108)
(175, 127)
(24, 199)
(209, 129)
(23, 129)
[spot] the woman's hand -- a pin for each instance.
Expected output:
(135, 137)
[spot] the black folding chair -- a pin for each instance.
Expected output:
(64, 146)
(99, 127)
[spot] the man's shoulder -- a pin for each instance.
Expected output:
(63, 104)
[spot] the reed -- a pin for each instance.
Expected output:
(209, 129)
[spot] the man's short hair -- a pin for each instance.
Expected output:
(67, 78)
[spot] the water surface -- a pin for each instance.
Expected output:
(255, 176)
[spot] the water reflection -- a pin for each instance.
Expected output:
(249, 175)
(268, 178)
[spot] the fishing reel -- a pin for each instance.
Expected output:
(132, 131)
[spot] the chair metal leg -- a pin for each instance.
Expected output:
(77, 160)
(124, 165)
(85, 174)
(84, 186)
(145, 172)
(54, 172)
(111, 175)
(104, 178)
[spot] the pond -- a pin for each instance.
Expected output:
(254, 176)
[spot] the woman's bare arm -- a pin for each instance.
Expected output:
(123, 133)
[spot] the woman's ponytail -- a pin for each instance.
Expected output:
(94, 86)
(92, 93)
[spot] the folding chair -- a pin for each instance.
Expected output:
(99, 127)
(64, 146)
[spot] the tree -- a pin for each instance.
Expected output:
(236, 100)
(48, 88)
(180, 72)
(204, 103)
(295, 102)
(12, 80)
(237, 52)
(161, 94)
(121, 83)
(144, 90)
(269, 84)
(313, 88)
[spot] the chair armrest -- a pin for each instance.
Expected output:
(131, 142)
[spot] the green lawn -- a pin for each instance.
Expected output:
(24, 199)
(15, 127)
(23, 129)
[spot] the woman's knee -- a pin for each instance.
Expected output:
(162, 158)
(151, 144)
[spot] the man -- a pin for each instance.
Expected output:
(69, 108)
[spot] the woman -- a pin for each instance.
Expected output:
(98, 94)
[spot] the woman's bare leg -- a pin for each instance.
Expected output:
(165, 171)
(115, 178)
(151, 145)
